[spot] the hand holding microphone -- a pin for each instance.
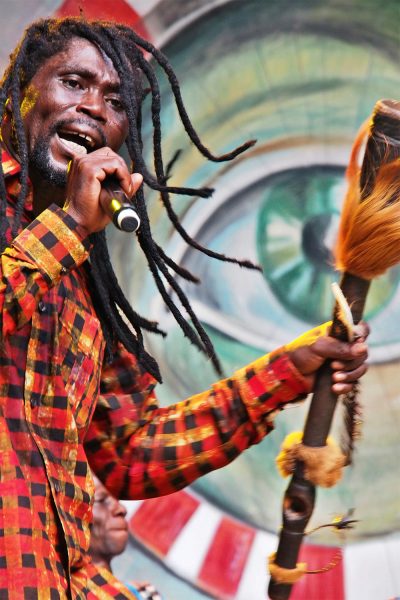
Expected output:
(99, 188)
(119, 209)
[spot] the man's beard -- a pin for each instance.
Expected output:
(40, 158)
(41, 161)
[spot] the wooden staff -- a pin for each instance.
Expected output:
(368, 244)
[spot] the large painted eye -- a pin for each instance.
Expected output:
(301, 82)
(303, 97)
(296, 232)
(287, 222)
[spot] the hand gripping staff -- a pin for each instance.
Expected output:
(368, 244)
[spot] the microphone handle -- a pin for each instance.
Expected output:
(118, 207)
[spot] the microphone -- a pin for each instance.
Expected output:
(121, 211)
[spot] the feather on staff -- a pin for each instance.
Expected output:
(368, 245)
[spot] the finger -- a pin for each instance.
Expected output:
(92, 163)
(136, 182)
(343, 388)
(114, 168)
(349, 376)
(101, 156)
(361, 330)
(349, 365)
(104, 163)
(330, 348)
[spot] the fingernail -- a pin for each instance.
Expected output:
(339, 388)
(339, 376)
(360, 348)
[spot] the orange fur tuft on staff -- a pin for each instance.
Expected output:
(369, 233)
(368, 244)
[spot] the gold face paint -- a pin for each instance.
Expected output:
(30, 98)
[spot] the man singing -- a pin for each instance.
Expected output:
(76, 383)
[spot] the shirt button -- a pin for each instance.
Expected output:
(63, 270)
(34, 400)
(42, 307)
(57, 487)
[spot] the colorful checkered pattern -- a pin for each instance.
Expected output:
(53, 420)
(102, 585)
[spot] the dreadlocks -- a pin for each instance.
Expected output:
(125, 49)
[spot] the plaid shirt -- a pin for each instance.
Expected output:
(102, 584)
(60, 410)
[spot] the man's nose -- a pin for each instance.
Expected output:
(118, 508)
(93, 104)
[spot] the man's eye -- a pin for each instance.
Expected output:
(100, 500)
(115, 103)
(71, 83)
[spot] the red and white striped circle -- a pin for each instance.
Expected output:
(228, 558)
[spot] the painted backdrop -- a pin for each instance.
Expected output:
(300, 76)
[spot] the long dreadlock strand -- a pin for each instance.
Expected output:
(21, 139)
(154, 262)
(8, 84)
(200, 339)
(124, 48)
(139, 116)
(147, 70)
(3, 191)
(146, 242)
(171, 163)
(122, 332)
(207, 344)
(161, 59)
(105, 266)
(102, 265)
(150, 244)
(158, 165)
(135, 145)
(179, 270)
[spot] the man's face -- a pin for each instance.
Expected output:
(109, 534)
(72, 106)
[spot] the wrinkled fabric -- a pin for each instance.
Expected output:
(60, 410)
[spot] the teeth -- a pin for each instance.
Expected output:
(87, 138)
(88, 142)
(77, 148)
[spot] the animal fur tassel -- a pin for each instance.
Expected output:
(368, 244)
(369, 232)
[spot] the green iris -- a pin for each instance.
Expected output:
(296, 233)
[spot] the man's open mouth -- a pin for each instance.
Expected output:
(78, 143)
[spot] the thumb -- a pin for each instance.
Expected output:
(306, 359)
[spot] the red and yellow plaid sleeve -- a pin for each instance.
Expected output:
(142, 450)
(52, 244)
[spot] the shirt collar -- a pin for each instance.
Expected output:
(11, 170)
(10, 165)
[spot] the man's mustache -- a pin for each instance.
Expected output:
(64, 123)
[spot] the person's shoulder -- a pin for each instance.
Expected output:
(125, 372)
